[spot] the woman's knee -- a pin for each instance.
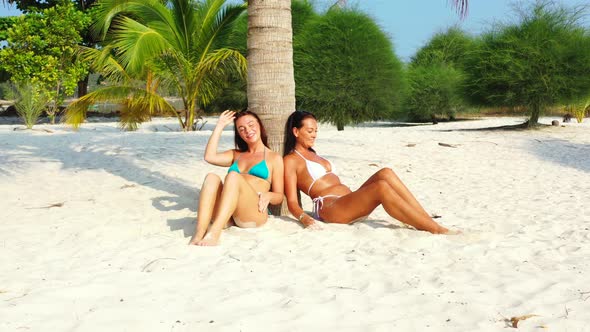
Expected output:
(211, 178)
(386, 172)
(233, 178)
(382, 188)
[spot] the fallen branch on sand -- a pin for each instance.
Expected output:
(155, 260)
(448, 145)
(60, 204)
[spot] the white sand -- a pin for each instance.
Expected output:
(114, 257)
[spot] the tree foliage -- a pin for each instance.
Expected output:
(345, 69)
(5, 24)
(542, 60)
(36, 5)
(42, 51)
(433, 91)
(435, 77)
(447, 47)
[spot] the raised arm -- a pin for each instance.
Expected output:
(290, 164)
(211, 155)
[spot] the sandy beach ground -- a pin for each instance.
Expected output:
(94, 227)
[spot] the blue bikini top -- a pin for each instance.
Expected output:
(259, 170)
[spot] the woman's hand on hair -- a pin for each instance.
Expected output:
(226, 118)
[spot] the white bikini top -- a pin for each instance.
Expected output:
(315, 170)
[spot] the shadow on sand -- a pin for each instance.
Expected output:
(128, 156)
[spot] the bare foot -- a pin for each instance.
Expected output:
(194, 240)
(209, 240)
(446, 231)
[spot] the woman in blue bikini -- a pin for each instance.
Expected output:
(254, 179)
(334, 202)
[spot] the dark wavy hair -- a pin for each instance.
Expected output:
(295, 120)
(241, 145)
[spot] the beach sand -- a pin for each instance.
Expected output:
(94, 227)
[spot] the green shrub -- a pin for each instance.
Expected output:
(345, 69)
(447, 47)
(540, 61)
(29, 102)
(433, 91)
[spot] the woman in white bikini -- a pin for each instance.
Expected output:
(244, 195)
(334, 202)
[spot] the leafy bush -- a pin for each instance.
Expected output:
(5, 90)
(433, 90)
(435, 77)
(345, 69)
(447, 47)
(542, 60)
(30, 103)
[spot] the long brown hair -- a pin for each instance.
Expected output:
(295, 120)
(241, 145)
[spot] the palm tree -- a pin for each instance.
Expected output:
(180, 42)
(139, 100)
(271, 83)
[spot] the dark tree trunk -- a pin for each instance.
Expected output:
(534, 119)
(83, 87)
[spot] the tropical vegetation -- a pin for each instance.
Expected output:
(346, 70)
(41, 52)
(177, 43)
(539, 61)
(30, 101)
(436, 76)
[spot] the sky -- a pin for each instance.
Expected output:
(410, 24)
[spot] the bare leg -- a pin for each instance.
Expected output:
(363, 201)
(210, 193)
(388, 175)
(237, 198)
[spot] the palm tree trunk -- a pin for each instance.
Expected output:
(271, 83)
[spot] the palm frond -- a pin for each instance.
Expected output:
(215, 27)
(461, 6)
(108, 12)
(214, 69)
(131, 97)
(183, 18)
(102, 61)
(136, 44)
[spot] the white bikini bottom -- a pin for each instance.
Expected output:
(318, 203)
